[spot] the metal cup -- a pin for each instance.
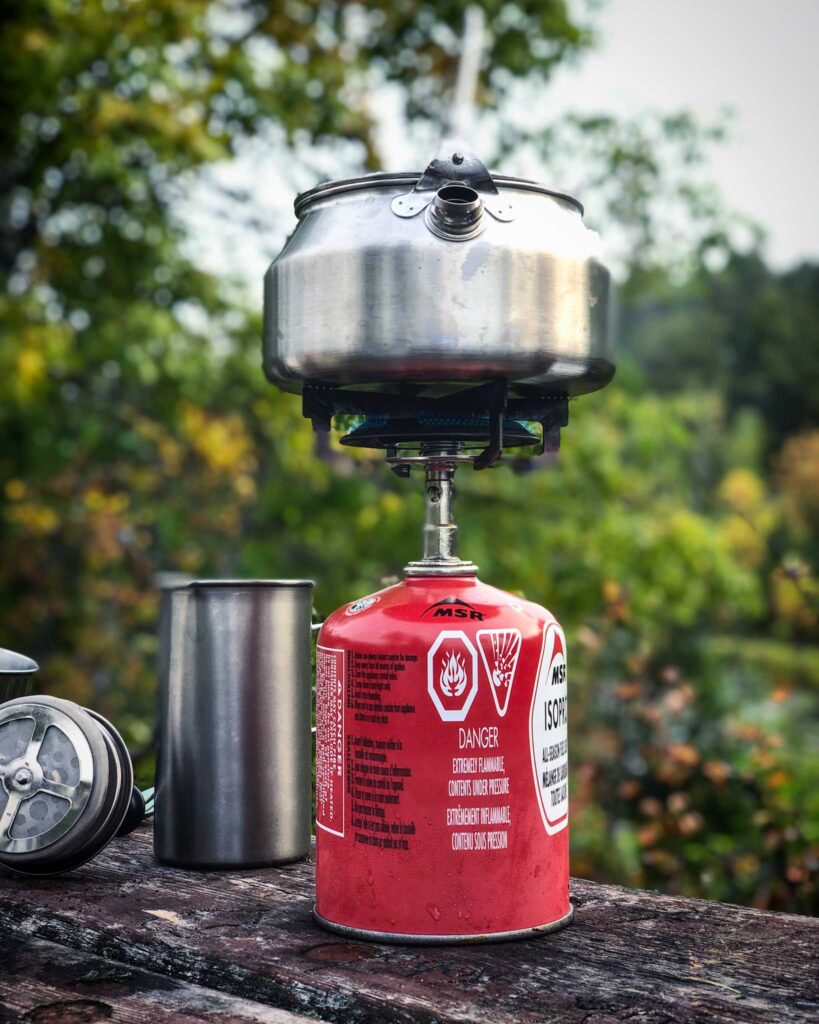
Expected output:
(233, 772)
(166, 583)
(16, 675)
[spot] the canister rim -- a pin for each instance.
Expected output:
(388, 179)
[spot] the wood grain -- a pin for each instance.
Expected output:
(629, 956)
(43, 983)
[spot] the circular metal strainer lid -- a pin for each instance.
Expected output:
(46, 776)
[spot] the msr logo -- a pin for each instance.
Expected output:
(453, 608)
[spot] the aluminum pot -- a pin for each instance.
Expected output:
(453, 275)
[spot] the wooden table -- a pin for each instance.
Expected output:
(126, 940)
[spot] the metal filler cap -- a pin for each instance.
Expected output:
(65, 784)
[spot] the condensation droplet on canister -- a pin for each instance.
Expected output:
(433, 912)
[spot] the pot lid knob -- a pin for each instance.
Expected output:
(460, 170)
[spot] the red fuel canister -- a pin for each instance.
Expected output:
(442, 765)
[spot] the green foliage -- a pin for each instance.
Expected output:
(139, 435)
(750, 332)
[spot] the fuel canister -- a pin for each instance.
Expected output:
(442, 765)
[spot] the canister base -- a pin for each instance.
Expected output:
(442, 940)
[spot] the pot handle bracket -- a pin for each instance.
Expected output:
(458, 169)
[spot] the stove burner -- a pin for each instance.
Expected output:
(468, 431)
(485, 417)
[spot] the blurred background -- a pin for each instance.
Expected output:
(151, 152)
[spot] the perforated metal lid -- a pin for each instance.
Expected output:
(46, 776)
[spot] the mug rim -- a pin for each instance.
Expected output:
(238, 584)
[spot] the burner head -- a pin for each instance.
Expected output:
(483, 419)
(468, 430)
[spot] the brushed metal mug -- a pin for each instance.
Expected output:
(166, 583)
(16, 675)
(234, 766)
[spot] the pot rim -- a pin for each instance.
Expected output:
(391, 179)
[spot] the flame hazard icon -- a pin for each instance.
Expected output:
(452, 674)
(500, 650)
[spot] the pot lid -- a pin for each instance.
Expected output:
(409, 179)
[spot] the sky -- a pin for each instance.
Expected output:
(756, 57)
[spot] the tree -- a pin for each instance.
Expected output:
(748, 331)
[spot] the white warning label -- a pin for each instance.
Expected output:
(330, 701)
(549, 721)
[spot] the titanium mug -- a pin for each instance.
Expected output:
(234, 767)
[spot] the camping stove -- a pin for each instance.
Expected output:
(441, 764)
(453, 313)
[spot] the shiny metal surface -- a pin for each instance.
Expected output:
(166, 583)
(19, 794)
(363, 296)
(16, 674)
(404, 180)
(440, 532)
(233, 774)
(65, 785)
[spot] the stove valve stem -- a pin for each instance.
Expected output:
(440, 532)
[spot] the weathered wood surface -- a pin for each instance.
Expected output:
(42, 983)
(630, 955)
